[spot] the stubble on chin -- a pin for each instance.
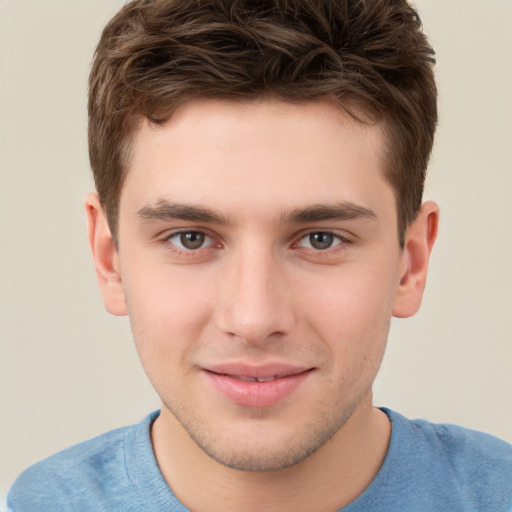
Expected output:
(259, 452)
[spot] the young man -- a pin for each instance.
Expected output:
(259, 168)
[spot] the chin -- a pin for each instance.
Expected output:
(257, 459)
(262, 448)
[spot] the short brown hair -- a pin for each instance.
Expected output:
(369, 54)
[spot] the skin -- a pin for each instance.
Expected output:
(292, 258)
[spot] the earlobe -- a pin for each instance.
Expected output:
(105, 256)
(419, 241)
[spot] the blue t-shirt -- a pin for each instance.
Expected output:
(428, 467)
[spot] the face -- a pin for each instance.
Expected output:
(259, 261)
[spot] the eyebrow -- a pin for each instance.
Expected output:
(165, 210)
(319, 213)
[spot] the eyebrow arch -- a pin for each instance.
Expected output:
(318, 213)
(165, 210)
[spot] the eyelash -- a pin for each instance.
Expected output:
(184, 251)
(343, 242)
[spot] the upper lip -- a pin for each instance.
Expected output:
(251, 371)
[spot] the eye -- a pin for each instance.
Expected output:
(190, 240)
(320, 240)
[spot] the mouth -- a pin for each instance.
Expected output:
(254, 386)
(258, 379)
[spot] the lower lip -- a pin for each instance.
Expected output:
(256, 394)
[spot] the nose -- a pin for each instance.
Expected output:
(256, 302)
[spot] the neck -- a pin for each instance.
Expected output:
(328, 479)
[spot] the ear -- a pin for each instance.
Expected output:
(106, 259)
(419, 240)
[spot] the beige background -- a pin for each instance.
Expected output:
(68, 371)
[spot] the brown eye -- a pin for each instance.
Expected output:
(192, 239)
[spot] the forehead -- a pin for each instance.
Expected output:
(224, 154)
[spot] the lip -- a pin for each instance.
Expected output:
(256, 386)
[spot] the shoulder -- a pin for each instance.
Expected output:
(460, 445)
(475, 466)
(76, 477)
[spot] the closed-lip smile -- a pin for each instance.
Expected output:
(256, 386)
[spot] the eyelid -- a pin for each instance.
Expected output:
(168, 235)
(343, 240)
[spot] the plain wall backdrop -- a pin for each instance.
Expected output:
(69, 371)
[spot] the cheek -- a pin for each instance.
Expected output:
(352, 315)
(168, 313)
